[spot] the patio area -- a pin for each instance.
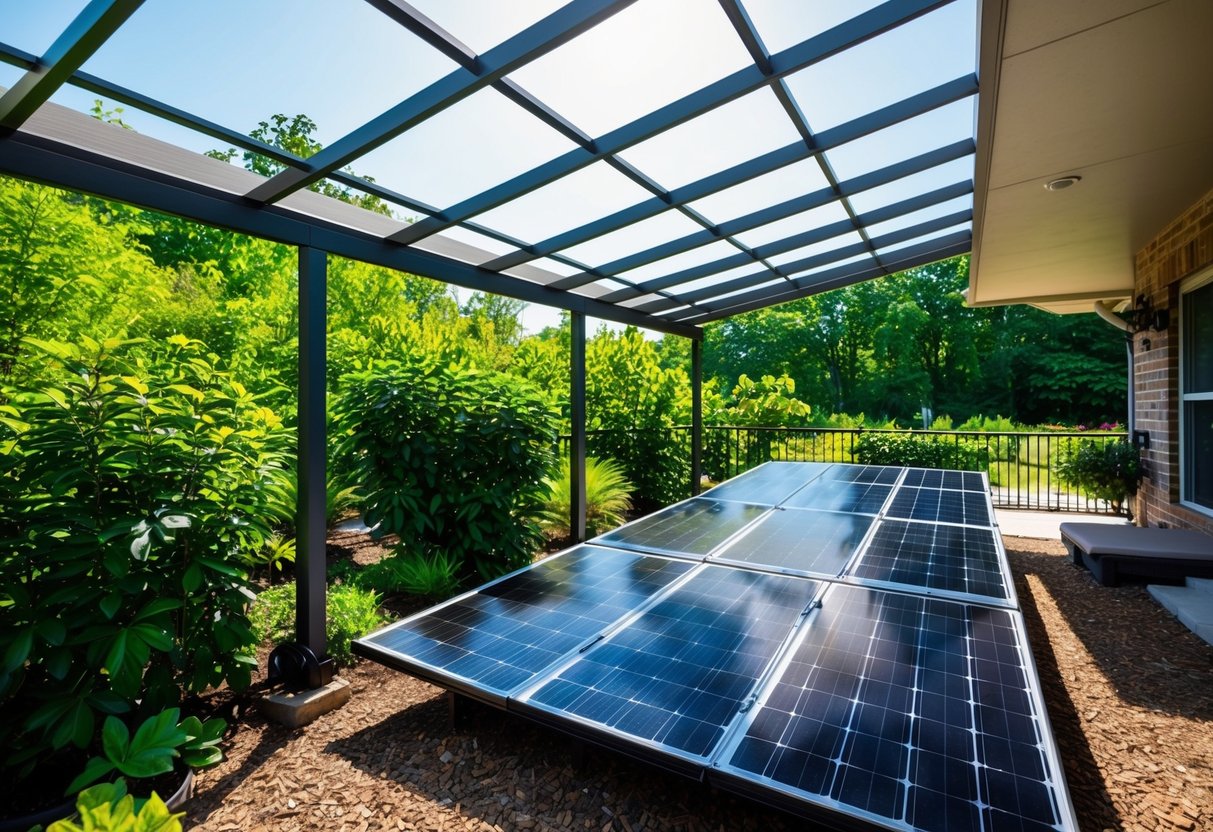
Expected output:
(1131, 718)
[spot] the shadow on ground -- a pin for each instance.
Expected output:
(504, 770)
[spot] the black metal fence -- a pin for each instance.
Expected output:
(1022, 466)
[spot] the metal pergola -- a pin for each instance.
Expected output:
(916, 209)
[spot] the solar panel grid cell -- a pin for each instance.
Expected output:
(892, 705)
(883, 474)
(508, 633)
(957, 559)
(956, 480)
(693, 528)
(677, 675)
(768, 484)
(841, 495)
(817, 543)
(941, 506)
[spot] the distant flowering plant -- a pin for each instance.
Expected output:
(1110, 426)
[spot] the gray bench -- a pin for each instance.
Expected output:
(1153, 554)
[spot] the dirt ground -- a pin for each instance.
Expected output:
(1129, 692)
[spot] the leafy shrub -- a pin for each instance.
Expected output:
(129, 489)
(1105, 470)
(432, 576)
(340, 499)
(273, 554)
(632, 406)
(919, 451)
(451, 459)
(352, 613)
(767, 402)
(607, 497)
(157, 742)
(107, 807)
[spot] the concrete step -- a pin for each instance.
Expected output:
(1204, 584)
(1191, 604)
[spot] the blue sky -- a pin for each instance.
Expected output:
(237, 62)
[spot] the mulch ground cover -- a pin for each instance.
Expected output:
(1129, 692)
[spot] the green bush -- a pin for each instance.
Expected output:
(433, 576)
(451, 459)
(1105, 470)
(352, 613)
(129, 487)
(607, 497)
(920, 451)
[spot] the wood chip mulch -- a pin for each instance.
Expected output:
(1129, 692)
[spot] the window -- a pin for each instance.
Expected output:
(1196, 391)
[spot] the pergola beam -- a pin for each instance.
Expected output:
(75, 45)
(742, 82)
(537, 40)
(54, 163)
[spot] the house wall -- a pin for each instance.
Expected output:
(1183, 248)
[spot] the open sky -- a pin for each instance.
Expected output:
(237, 62)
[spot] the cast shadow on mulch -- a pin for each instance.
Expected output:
(494, 753)
(273, 738)
(1084, 779)
(1150, 658)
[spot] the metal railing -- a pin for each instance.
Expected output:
(1022, 466)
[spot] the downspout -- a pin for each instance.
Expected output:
(1104, 311)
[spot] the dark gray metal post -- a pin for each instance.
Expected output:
(696, 415)
(310, 511)
(577, 501)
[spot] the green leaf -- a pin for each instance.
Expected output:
(76, 726)
(52, 631)
(191, 579)
(18, 650)
(115, 738)
(110, 604)
(152, 749)
(94, 770)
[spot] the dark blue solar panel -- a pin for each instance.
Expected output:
(938, 505)
(507, 633)
(695, 527)
(677, 675)
(882, 474)
(950, 558)
(957, 480)
(768, 484)
(915, 710)
(841, 495)
(817, 543)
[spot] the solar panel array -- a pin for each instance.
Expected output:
(839, 640)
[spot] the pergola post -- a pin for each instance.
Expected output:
(696, 415)
(310, 520)
(577, 500)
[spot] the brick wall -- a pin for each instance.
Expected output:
(1183, 248)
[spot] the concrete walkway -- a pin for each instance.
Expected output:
(1044, 524)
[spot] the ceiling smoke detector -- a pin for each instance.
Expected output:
(1061, 183)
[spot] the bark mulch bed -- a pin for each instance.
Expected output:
(1129, 692)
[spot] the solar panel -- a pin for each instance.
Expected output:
(905, 711)
(938, 505)
(841, 495)
(956, 480)
(693, 528)
(883, 474)
(818, 543)
(674, 678)
(503, 635)
(956, 559)
(769, 483)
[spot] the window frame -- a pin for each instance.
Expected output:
(1190, 284)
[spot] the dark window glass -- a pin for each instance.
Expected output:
(1198, 340)
(1198, 449)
